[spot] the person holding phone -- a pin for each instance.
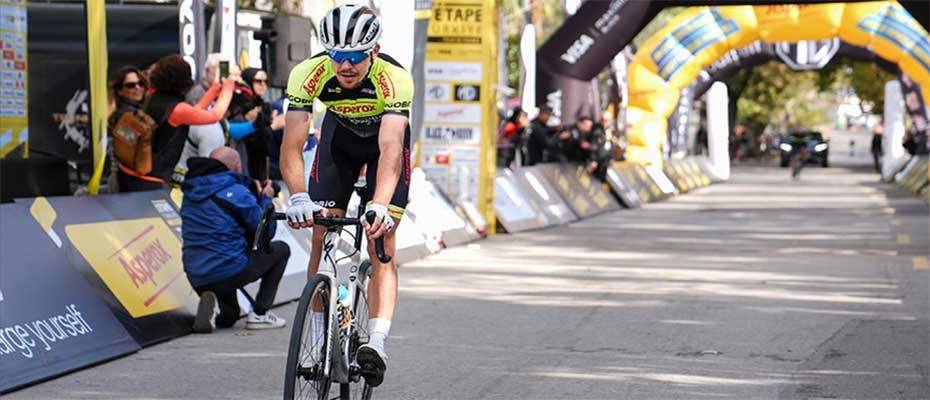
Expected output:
(171, 80)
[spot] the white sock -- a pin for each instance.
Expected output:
(378, 330)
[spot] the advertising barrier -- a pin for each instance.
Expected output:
(693, 165)
(412, 243)
(914, 177)
(672, 169)
(128, 247)
(582, 191)
(624, 188)
(706, 169)
(432, 206)
(536, 186)
(517, 211)
(643, 182)
(51, 320)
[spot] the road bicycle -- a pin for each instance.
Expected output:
(322, 354)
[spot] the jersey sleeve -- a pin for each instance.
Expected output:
(396, 85)
(304, 83)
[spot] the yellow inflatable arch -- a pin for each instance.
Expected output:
(694, 39)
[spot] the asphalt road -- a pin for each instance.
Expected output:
(759, 288)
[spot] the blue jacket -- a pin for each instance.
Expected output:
(217, 238)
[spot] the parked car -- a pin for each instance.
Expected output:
(818, 149)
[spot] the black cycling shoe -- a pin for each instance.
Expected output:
(372, 363)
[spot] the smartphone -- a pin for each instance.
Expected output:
(224, 69)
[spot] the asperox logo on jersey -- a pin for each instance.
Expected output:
(139, 261)
(386, 85)
(353, 108)
(311, 83)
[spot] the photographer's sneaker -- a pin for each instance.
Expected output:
(267, 321)
(372, 362)
(205, 321)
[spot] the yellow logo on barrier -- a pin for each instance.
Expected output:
(140, 262)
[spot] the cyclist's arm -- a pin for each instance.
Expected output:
(390, 162)
(296, 127)
(391, 135)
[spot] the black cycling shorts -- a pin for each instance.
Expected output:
(340, 157)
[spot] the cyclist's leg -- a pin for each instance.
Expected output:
(382, 288)
(332, 178)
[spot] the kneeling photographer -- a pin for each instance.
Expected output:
(220, 213)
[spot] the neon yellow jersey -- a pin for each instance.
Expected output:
(388, 89)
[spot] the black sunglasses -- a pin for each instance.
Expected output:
(133, 85)
(262, 81)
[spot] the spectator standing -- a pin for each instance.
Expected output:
(268, 120)
(219, 216)
(202, 139)
(127, 91)
(877, 132)
(211, 70)
(511, 137)
(171, 79)
(543, 143)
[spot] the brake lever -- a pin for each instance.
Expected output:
(379, 242)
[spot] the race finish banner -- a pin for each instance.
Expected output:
(14, 104)
(457, 149)
(51, 320)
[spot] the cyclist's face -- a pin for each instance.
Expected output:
(350, 75)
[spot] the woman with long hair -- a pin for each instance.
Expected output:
(127, 92)
(171, 80)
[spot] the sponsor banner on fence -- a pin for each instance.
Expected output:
(51, 320)
(459, 117)
(128, 247)
(139, 260)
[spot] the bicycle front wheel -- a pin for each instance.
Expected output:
(308, 355)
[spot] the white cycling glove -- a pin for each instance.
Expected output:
(382, 214)
(302, 208)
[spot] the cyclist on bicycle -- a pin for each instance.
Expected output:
(368, 96)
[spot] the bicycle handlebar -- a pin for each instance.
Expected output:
(324, 221)
(271, 215)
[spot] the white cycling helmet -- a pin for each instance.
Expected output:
(350, 27)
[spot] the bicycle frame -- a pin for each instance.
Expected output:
(339, 368)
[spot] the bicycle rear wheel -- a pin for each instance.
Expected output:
(305, 376)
